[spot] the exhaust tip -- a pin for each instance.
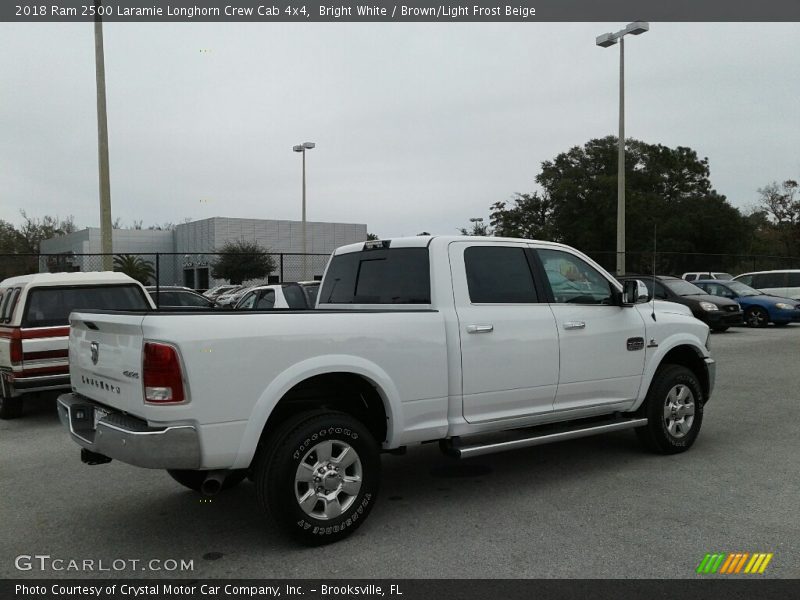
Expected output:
(212, 485)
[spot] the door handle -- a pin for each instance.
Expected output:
(574, 324)
(480, 328)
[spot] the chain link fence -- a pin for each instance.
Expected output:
(195, 270)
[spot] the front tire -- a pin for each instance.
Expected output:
(720, 328)
(10, 408)
(756, 316)
(320, 476)
(674, 411)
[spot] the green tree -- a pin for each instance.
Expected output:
(134, 266)
(478, 228)
(34, 230)
(372, 236)
(780, 205)
(670, 187)
(240, 261)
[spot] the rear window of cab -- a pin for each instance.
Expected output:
(379, 276)
(50, 306)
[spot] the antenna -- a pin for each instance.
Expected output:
(653, 299)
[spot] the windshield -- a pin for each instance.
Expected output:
(683, 288)
(741, 289)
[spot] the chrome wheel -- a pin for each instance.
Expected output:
(679, 411)
(328, 479)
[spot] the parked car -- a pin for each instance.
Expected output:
(413, 340)
(174, 296)
(718, 313)
(785, 284)
(34, 325)
(217, 291)
(706, 275)
(231, 297)
(300, 295)
(759, 308)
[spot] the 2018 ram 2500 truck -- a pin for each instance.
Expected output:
(445, 339)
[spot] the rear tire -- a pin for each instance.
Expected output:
(756, 316)
(780, 323)
(193, 479)
(318, 476)
(10, 408)
(674, 411)
(720, 328)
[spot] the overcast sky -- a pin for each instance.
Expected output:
(418, 126)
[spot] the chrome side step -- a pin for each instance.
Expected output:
(467, 451)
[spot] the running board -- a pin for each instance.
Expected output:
(467, 451)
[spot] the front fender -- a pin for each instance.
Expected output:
(299, 372)
(655, 357)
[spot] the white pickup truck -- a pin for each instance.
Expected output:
(481, 344)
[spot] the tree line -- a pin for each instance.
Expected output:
(668, 191)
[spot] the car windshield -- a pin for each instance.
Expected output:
(743, 290)
(725, 276)
(683, 288)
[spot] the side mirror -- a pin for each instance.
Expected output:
(634, 291)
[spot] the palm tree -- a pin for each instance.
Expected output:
(134, 266)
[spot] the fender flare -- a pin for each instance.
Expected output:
(299, 372)
(665, 347)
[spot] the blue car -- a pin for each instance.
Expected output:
(759, 308)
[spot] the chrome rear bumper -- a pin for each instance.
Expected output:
(128, 439)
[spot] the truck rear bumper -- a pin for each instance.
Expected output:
(126, 438)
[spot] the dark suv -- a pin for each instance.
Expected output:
(718, 313)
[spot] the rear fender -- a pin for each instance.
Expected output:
(320, 365)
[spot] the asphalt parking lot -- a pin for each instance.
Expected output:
(597, 507)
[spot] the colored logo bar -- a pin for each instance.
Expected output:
(733, 563)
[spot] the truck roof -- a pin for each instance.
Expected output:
(422, 241)
(51, 279)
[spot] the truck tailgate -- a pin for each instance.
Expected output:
(105, 356)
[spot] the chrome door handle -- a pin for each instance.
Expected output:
(574, 325)
(480, 328)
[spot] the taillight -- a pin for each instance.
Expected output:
(161, 368)
(16, 351)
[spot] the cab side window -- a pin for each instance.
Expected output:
(266, 300)
(573, 280)
(498, 274)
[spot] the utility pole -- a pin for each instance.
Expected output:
(106, 246)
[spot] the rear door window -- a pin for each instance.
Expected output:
(50, 306)
(769, 280)
(266, 300)
(500, 275)
(793, 279)
(294, 296)
(379, 276)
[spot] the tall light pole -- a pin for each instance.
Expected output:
(606, 40)
(106, 246)
(302, 149)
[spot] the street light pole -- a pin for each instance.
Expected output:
(106, 246)
(606, 40)
(302, 149)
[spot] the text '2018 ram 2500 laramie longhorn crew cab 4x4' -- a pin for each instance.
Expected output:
(484, 344)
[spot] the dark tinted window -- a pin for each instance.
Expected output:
(383, 276)
(50, 306)
(294, 296)
(497, 274)
(311, 292)
(769, 280)
(266, 300)
(793, 279)
(683, 288)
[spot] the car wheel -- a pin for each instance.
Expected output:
(193, 479)
(720, 328)
(319, 476)
(10, 408)
(756, 316)
(674, 411)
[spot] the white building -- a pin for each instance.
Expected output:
(185, 254)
